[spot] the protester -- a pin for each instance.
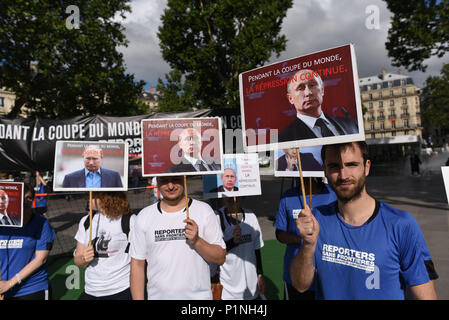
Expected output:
(23, 255)
(107, 261)
(242, 274)
(40, 202)
(287, 232)
(359, 247)
(136, 173)
(177, 249)
(415, 161)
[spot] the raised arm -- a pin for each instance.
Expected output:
(301, 268)
(212, 253)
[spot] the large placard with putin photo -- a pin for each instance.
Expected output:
(286, 162)
(90, 166)
(305, 101)
(240, 177)
(182, 146)
(11, 204)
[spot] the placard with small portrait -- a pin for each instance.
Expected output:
(182, 146)
(90, 166)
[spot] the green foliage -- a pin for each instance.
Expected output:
(175, 95)
(419, 30)
(60, 72)
(211, 42)
(436, 99)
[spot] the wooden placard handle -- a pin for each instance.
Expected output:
(310, 192)
(236, 211)
(301, 178)
(186, 196)
(90, 218)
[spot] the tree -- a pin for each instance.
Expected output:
(211, 42)
(419, 30)
(435, 99)
(175, 95)
(59, 70)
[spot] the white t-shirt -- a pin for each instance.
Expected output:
(176, 271)
(108, 273)
(238, 274)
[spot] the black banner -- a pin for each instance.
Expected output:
(27, 144)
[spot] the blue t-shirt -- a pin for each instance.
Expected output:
(285, 220)
(18, 247)
(40, 202)
(372, 261)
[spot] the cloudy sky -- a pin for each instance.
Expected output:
(310, 25)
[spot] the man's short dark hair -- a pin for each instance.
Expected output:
(342, 146)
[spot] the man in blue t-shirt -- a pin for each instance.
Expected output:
(357, 247)
(287, 232)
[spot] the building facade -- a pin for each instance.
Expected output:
(151, 99)
(392, 114)
(7, 99)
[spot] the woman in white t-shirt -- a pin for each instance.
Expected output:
(242, 274)
(107, 261)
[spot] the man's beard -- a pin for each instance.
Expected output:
(346, 196)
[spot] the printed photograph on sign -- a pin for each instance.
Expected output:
(11, 204)
(90, 166)
(240, 177)
(305, 101)
(286, 162)
(182, 146)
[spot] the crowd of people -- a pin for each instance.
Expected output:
(181, 249)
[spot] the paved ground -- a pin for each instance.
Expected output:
(424, 197)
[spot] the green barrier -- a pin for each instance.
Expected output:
(68, 280)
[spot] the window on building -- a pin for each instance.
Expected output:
(370, 105)
(372, 126)
(380, 94)
(391, 102)
(371, 96)
(382, 125)
(406, 123)
(393, 134)
(381, 104)
(391, 93)
(405, 111)
(2, 102)
(404, 91)
(406, 132)
(404, 100)
(392, 112)
(373, 135)
(393, 124)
